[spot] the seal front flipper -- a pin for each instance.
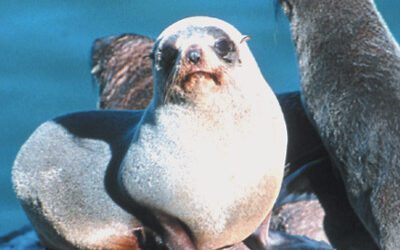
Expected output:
(175, 235)
(265, 239)
(297, 185)
(121, 66)
(282, 241)
(259, 239)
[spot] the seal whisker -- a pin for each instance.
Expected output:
(172, 80)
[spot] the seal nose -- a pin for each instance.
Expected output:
(194, 55)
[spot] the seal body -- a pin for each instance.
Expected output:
(198, 153)
(304, 144)
(350, 71)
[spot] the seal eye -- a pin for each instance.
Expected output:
(224, 47)
(168, 55)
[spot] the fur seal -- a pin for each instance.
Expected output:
(111, 70)
(304, 144)
(192, 156)
(65, 171)
(350, 73)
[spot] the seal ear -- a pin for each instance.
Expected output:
(121, 63)
(245, 38)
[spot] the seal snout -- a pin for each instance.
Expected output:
(194, 54)
(195, 69)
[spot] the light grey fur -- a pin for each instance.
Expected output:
(350, 73)
(59, 179)
(216, 160)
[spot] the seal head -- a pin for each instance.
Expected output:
(193, 63)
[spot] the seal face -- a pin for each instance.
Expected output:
(199, 153)
(192, 64)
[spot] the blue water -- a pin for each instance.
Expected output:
(45, 51)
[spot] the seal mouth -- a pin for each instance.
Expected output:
(202, 74)
(197, 82)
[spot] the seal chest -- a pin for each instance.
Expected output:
(210, 148)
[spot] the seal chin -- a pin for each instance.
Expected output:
(188, 85)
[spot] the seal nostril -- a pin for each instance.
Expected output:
(194, 56)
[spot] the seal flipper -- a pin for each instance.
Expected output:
(264, 239)
(297, 185)
(176, 234)
(282, 241)
(259, 239)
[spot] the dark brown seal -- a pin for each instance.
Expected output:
(350, 73)
(117, 90)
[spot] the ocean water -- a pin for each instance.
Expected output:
(45, 52)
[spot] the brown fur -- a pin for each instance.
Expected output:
(122, 67)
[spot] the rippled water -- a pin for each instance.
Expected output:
(45, 51)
